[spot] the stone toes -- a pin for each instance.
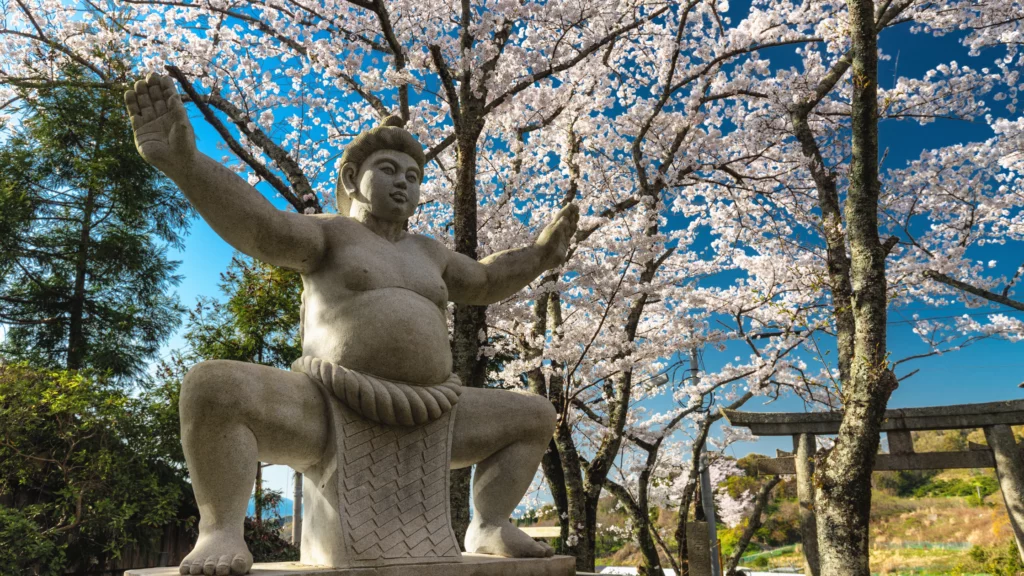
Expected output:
(185, 568)
(197, 568)
(224, 565)
(210, 566)
(546, 550)
(238, 565)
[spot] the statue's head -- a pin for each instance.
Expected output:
(381, 172)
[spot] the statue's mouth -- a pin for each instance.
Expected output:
(399, 196)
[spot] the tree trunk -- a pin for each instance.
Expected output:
(642, 522)
(753, 524)
(577, 542)
(843, 483)
(469, 321)
(76, 312)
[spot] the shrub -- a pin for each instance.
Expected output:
(26, 549)
(959, 488)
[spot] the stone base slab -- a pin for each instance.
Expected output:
(470, 565)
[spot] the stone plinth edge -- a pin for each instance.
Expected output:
(470, 565)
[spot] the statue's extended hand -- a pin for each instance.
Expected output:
(163, 133)
(554, 239)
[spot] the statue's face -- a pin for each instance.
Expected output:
(387, 184)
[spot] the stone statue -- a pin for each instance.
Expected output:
(374, 331)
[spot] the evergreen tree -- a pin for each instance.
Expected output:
(259, 320)
(85, 224)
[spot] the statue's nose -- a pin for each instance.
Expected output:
(401, 183)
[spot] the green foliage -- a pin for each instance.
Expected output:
(959, 488)
(737, 485)
(266, 544)
(997, 560)
(902, 483)
(83, 467)
(27, 549)
(263, 532)
(259, 320)
(84, 227)
(730, 537)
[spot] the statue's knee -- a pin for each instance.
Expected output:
(543, 417)
(208, 389)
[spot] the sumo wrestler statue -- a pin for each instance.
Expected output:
(374, 306)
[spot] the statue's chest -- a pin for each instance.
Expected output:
(380, 265)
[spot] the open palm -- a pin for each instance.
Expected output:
(163, 133)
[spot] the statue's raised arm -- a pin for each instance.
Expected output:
(503, 274)
(235, 210)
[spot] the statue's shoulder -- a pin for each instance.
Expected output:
(430, 245)
(426, 241)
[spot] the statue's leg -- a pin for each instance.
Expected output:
(234, 415)
(504, 434)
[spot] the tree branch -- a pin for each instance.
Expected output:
(980, 292)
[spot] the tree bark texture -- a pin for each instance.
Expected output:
(470, 321)
(843, 482)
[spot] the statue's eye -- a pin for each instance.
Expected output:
(411, 177)
(387, 169)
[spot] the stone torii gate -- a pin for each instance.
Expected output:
(994, 418)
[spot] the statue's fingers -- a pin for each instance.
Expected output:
(145, 105)
(177, 109)
(159, 102)
(171, 95)
(132, 102)
(167, 83)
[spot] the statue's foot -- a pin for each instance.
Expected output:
(218, 553)
(503, 539)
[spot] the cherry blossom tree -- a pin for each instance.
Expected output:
(814, 212)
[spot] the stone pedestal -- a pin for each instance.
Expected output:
(379, 496)
(698, 548)
(468, 565)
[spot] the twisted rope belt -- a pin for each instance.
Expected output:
(383, 401)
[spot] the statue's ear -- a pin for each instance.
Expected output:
(348, 178)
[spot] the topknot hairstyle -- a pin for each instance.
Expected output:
(389, 135)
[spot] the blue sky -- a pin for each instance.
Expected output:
(987, 371)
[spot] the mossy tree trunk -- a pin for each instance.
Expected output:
(843, 478)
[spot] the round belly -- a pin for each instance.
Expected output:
(388, 332)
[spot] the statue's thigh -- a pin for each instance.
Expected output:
(488, 420)
(285, 410)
